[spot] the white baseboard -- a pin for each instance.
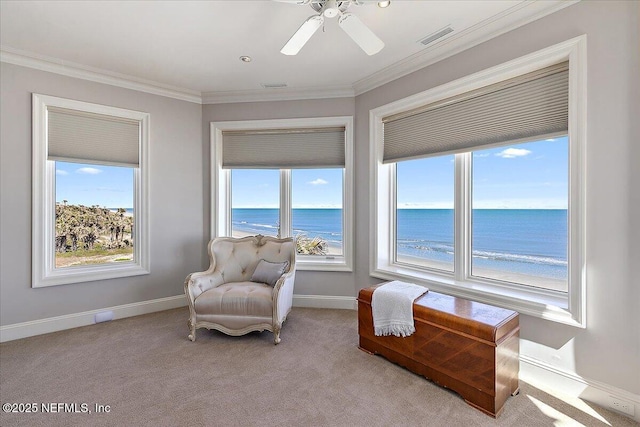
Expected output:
(76, 320)
(541, 374)
(69, 321)
(323, 301)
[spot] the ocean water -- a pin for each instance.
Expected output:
(524, 241)
(326, 223)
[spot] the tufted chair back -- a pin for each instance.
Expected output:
(235, 261)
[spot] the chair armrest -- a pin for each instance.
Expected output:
(197, 283)
(283, 295)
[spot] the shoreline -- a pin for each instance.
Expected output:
(493, 274)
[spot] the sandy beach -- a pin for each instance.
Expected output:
(526, 279)
(91, 260)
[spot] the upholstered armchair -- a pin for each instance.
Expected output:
(248, 286)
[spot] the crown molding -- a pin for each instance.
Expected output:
(524, 12)
(84, 72)
(278, 94)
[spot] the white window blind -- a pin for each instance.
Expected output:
(534, 104)
(284, 148)
(74, 135)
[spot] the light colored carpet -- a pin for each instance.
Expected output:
(149, 374)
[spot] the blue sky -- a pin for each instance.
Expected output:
(529, 176)
(90, 184)
(311, 188)
(524, 176)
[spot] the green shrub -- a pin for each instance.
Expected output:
(87, 228)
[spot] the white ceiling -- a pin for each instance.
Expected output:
(193, 47)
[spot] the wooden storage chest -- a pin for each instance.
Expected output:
(466, 346)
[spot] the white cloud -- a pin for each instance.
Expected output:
(89, 171)
(61, 172)
(511, 153)
(318, 181)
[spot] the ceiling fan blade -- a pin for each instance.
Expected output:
(302, 36)
(360, 33)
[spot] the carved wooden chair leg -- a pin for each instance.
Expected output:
(276, 334)
(192, 329)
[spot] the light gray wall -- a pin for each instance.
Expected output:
(176, 221)
(609, 349)
(307, 282)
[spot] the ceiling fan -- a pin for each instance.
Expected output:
(350, 24)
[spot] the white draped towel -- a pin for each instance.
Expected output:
(392, 308)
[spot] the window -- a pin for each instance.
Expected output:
(317, 211)
(94, 214)
(519, 214)
(255, 205)
(424, 217)
(478, 186)
(89, 216)
(286, 178)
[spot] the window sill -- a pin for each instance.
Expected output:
(89, 274)
(539, 303)
(322, 263)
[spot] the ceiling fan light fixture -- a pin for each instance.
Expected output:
(330, 9)
(302, 36)
(383, 4)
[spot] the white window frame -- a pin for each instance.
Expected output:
(568, 308)
(44, 272)
(221, 188)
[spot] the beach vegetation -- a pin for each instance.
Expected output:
(311, 245)
(92, 234)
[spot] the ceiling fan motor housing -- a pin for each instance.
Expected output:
(330, 8)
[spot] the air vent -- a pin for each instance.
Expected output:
(435, 36)
(273, 85)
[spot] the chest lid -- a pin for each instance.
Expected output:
(476, 319)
